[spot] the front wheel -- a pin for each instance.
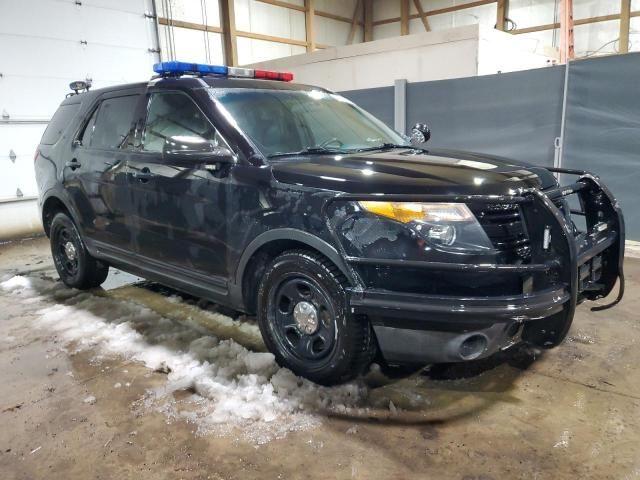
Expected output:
(304, 319)
(77, 269)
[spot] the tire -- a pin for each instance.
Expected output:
(77, 269)
(304, 319)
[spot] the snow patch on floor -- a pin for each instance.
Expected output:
(235, 389)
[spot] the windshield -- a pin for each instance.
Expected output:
(282, 122)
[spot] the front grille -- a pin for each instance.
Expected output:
(505, 228)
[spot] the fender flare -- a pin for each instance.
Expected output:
(306, 238)
(63, 198)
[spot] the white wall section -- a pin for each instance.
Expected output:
(453, 53)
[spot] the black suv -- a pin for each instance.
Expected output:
(344, 238)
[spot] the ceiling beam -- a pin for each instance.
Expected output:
(301, 8)
(439, 11)
(422, 15)
(190, 25)
(280, 3)
(354, 23)
(271, 38)
(581, 21)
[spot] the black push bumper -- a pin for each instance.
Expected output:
(415, 328)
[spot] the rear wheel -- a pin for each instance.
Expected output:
(77, 269)
(304, 320)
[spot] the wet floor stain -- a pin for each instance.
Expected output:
(571, 412)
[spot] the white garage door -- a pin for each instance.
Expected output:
(45, 45)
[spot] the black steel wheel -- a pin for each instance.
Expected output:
(304, 319)
(77, 269)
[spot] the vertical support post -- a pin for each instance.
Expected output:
(567, 51)
(229, 32)
(559, 142)
(400, 105)
(368, 20)
(310, 11)
(404, 17)
(625, 19)
(156, 29)
(501, 14)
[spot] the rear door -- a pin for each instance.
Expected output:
(95, 174)
(179, 208)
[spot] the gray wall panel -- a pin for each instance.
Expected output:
(519, 115)
(602, 127)
(515, 115)
(377, 101)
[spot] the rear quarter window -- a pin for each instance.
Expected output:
(113, 122)
(59, 123)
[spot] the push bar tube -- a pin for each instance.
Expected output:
(585, 181)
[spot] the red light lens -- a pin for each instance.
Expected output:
(270, 75)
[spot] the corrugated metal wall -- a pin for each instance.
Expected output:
(602, 129)
(377, 101)
(514, 115)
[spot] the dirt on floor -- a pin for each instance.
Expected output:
(134, 380)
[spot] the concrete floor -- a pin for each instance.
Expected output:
(572, 412)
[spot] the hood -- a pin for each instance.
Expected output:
(405, 171)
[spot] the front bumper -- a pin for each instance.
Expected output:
(417, 328)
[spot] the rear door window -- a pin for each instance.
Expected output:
(113, 121)
(59, 123)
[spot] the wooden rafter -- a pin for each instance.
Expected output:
(190, 25)
(423, 16)
(439, 11)
(354, 23)
(280, 3)
(581, 21)
(301, 8)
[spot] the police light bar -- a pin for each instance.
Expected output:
(175, 68)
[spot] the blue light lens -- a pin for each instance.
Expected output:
(178, 68)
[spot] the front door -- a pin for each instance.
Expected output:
(178, 207)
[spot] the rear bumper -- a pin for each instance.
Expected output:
(413, 328)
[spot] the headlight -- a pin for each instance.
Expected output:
(449, 225)
(406, 212)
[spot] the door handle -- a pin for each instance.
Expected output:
(73, 164)
(144, 175)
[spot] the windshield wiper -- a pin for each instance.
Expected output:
(309, 150)
(389, 146)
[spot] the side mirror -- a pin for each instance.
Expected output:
(420, 133)
(181, 149)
